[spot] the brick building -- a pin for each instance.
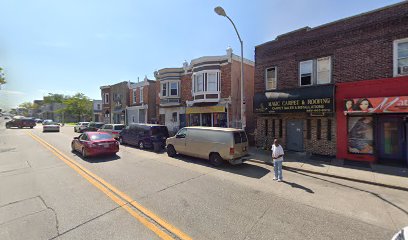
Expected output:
(115, 101)
(205, 92)
(142, 101)
(300, 74)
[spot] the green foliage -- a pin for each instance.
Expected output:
(79, 105)
(2, 77)
(55, 98)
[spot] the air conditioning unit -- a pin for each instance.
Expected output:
(404, 70)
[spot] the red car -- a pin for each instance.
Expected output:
(95, 143)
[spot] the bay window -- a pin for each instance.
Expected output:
(173, 89)
(208, 81)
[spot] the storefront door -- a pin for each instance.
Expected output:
(392, 146)
(294, 135)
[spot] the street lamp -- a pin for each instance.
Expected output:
(220, 11)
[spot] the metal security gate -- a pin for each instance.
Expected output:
(294, 135)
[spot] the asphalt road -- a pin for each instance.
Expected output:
(48, 192)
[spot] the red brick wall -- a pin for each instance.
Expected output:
(186, 87)
(361, 48)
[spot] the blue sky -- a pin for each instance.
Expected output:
(70, 46)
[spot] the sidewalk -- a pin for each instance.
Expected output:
(386, 176)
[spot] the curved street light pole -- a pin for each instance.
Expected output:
(220, 11)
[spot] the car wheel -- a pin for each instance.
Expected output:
(31, 127)
(84, 155)
(216, 159)
(141, 145)
(72, 147)
(20, 127)
(171, 152)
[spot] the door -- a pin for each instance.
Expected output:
(294, 135)
(391, 140)
(182, 120)
(180, 140)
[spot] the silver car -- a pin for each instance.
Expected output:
(113, 129)
(51, 127)
(80, 126)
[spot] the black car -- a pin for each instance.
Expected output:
(144, 135)
(92, 127)
(20, 123)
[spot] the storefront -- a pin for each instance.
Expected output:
(302, 118)
(372, 121)
(209, 116)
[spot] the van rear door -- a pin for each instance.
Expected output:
(240, 144)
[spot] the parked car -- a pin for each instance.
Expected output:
(47, 121)
(51, 127)
(93, 127)
(213, 143)
(113, 129)
(144, 135)
(6, 117)
(79, 126)
(20, 123)
(38, 120)
(95, 143)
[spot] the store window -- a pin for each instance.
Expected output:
(195, 119)
(220, 120)
(319, 129)
(360, 135)
(270, 78)
(401, 57)
(273, 128)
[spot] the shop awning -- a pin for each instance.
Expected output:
(316, 99)
(208, 109)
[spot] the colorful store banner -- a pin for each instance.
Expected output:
(377, 105)
(210, 109)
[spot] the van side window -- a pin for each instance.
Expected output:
(240, 137)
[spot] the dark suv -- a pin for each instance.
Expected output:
(145, 135)
(20, 123)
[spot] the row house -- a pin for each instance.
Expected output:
(142, 101)
(340, 89)
(205, 92)
(96, 110)
(115, 101)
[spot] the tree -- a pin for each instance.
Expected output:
(25, 107)
(55, 98)
(79, 105)
(2, 77)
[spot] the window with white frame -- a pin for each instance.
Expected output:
(315, 71)
(270, 78)
(206, 81)
(98, 106)
(106, 98)
(164, 89)
(134, 96)
(401, 57)
(173, 88)
(141, 95)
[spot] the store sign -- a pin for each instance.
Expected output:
(377, 105)
(317, 99)
(211, 109)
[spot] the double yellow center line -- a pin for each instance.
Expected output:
(160, 227)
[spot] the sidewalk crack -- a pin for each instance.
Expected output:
(55, 214)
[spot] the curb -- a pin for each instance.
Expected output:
(296, 170)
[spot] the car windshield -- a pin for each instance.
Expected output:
(119, 127)
(100, 136)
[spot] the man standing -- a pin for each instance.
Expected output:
(277, 156)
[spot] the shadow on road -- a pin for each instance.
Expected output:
(247, 170)
(295, 185)
(98, 159)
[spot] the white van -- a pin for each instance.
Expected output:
(213, 143)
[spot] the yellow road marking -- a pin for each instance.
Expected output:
(108, 189)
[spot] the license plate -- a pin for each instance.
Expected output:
(106, 145)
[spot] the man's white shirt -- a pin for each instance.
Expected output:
(276, 151)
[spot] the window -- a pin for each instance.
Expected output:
(164, 89)
(319, 129)
(134, 95)
(270, 78)
(174, 117)
(173, 89)
(316, 71)
(360, 135)
(323, 70)
(308, 129)
(98, 106)
(401, 57)
(306, 73)
(206, 81)
(266, 127)
(212, 82)
(329, 132)
(273, 128)
(106, 98)
(280, 128)
(141, 95)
